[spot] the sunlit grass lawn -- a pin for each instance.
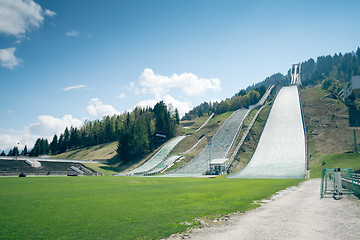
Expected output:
(119, 207)
(344, 160)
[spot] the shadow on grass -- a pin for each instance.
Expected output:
(116, 165)
(74, 153)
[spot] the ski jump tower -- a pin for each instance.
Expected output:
(295, 74)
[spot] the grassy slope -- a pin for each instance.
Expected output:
(120, 207)
(344, 160)
(327, 122)
(194, 124)
(102, 152)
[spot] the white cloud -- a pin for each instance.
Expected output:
(215, 100)
(19, 16)
(8, 141)
(74, 87)
(98, 109)
(8, 59)
(121, 96)
(72, 33)
(189, 83)
(146, 103)
(46, 127)
(182, 106)
(134, 88)
(49, 13)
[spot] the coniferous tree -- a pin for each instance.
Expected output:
(24, 151)
(66, 139)
(11, 153)
(177, 117)
(54, 145)
(16, 151)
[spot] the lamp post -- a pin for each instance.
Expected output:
(356, 150)
(17, 153)
(355, 142)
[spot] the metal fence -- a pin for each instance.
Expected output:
(339, 181)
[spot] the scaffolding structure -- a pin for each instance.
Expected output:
(338, 182)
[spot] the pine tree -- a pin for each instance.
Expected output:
(66, 139)
(10, 153)
(25, 151)
(177, 118)
(54, 145)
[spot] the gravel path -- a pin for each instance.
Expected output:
(297, 214)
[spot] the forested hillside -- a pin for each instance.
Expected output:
(242, 99)
(332, 72)
(137, 133)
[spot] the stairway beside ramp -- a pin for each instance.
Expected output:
(281, 151)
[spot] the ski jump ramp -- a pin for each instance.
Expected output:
(281, 151)
(220, 145)
(157, 159)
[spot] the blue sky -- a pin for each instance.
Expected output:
(62, 62)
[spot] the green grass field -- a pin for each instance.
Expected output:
(345, 160)
(119, 207)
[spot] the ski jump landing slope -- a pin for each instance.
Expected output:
(281, 151)
(158, 158)
(221, 142)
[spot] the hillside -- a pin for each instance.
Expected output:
(102, 152)
(107, 151)
(327, 123)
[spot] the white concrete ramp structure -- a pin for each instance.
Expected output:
(221, 144)
(158, 158)
(281, 151)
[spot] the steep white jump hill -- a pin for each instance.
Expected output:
(281, 151)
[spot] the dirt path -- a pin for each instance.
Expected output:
(298, 214)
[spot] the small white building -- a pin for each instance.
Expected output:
(218, 166)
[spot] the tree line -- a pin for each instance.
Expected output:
(242, 99)
(15, 152)
(331, 72)
(138, 133)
